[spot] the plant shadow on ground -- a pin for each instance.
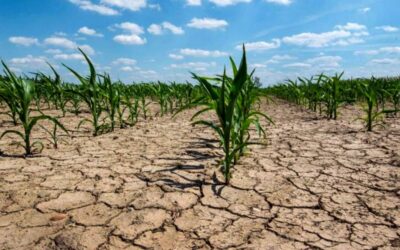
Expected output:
(189, 175)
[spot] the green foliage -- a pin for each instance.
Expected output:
(90, 93)
(232, 100)
(381, 96)
(22, 92)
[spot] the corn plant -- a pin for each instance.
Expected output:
(226, 99)
(74, 99)
(162, 94)
(394, 93)
(22, 92)
(371, 91)
(368, 91)
(132, 105)
(6, 90)
(332, 96)
(246, 114)
(142, 92)
(112, 100)
(54, 138)
(90, 93)
(55, 89)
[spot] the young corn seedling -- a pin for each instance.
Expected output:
(56, 90)
(133, 108)
(332, 95)
(369, 90)
(246, 114)
(22, 91)
(54, 138)
(112, 99)
(6, 90)
(73, 99)
(223, 100)
(90, 93)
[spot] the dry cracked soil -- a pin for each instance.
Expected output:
(317, 184)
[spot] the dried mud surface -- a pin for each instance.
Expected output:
(318, 184)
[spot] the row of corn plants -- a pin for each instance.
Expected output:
(110, 104)
(325, 94)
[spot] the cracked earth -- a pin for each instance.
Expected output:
(318, 184)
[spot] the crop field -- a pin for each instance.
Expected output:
(311, 163)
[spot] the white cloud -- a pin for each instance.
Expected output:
(282, 2)
(132, 28)
(60, 42)
(325, 62)
(316, 40)
(126, 69)
(87, 49)
(155, 29)
(202, 53)
(159, 29)
(176, 57)
(279, 58)
(174, 29)
(29, 61)
(366, 52)
(74, 56)
(261, 46)
(388, 28)
(101, 9)
(124, 61)
(63, 42)
(389, 50)
(258, 65)
(297, 65)
(199, 66)
(386, 61)
(131, 39)
(282, 57)
(342, 35)
(207, 23)
(193, 2)
(24, 41)
(228, 2)
(351, 26)
(88, 31)
(319, 63)
(133, 5)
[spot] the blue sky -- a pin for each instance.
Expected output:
(147, 40)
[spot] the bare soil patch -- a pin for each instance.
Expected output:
(318, 184)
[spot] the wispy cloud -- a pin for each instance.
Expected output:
(207, 23)
(24, 41)
(89, 32)
(387, 28)
(261, 45)
(202, 53)
(281, 2)
(159, 29)
(342, 35)
(98, 8)
(228, 2)
(133, 5)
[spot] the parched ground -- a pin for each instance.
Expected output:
(318, 184)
